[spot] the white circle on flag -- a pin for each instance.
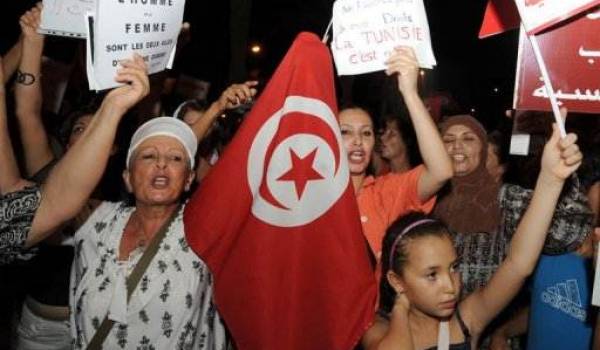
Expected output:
(286, 207)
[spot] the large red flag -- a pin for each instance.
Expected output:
(276, 220)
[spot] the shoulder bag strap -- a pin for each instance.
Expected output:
(132, 281)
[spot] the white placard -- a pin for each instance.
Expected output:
(538, 15)
(596, 288)
(124, 27)
(65, 17)
(519, 144)
(366, 31)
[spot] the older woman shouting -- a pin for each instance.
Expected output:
(170, 306)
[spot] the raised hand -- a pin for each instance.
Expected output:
(30, 22)
(561, 157)
(404, 63)
(134, 74)
(237, 94)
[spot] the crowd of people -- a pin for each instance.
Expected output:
(471, 248)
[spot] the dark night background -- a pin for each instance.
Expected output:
(478, 74)
(469, 69)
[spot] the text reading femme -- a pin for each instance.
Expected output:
(145, 27)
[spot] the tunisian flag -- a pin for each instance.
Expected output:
(276, 219)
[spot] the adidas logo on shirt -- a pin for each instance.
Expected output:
(565, 297)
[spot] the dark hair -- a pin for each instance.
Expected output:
(347, 106)
(408, 135)
(190, 105)
(72, 118)
(524, 170)
(410, 226)
(501, 145)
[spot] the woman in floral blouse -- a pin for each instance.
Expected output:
(171, 307)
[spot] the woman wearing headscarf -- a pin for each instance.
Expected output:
(469, 205)
(171, 305)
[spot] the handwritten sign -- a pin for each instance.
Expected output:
(572, 55)
(538, 15)
(121, 28)
(365, 32)
(65, 17)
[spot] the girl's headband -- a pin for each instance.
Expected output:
(405, 231)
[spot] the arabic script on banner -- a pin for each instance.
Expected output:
(573, 68)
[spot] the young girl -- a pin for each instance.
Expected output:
(420, 296)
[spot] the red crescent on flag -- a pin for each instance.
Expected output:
(292, 124)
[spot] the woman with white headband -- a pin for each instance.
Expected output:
(135, 281)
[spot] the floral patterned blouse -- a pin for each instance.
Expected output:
(172, 306)
(17, 210)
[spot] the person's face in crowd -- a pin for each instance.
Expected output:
(159, 171)
(191, 116)
(464, 148)
(392, 144)
(430, 276)
(492, 162)
(358, 137)
(78, 128)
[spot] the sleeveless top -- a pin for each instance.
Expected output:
(466, 345)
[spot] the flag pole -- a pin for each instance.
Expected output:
(548, 84)
(326, 35)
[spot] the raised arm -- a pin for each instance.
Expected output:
(76, 175)
(232, 97)
(28, 94)
(560, 159)
(10, 179)
(438, 167)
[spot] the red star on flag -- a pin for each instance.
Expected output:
(302, 171)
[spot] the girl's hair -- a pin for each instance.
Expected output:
(394, 252)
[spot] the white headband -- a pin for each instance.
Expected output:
(165, 126)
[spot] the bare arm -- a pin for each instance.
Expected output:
(76, 175)
(10, 179)
(438, 168)
(232, 97)
(11, 60)
(28, 95)
(560, 159)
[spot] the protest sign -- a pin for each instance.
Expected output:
(366, 31)
(120, 28)
(572, 56)
(538, 15)
(65, 17)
